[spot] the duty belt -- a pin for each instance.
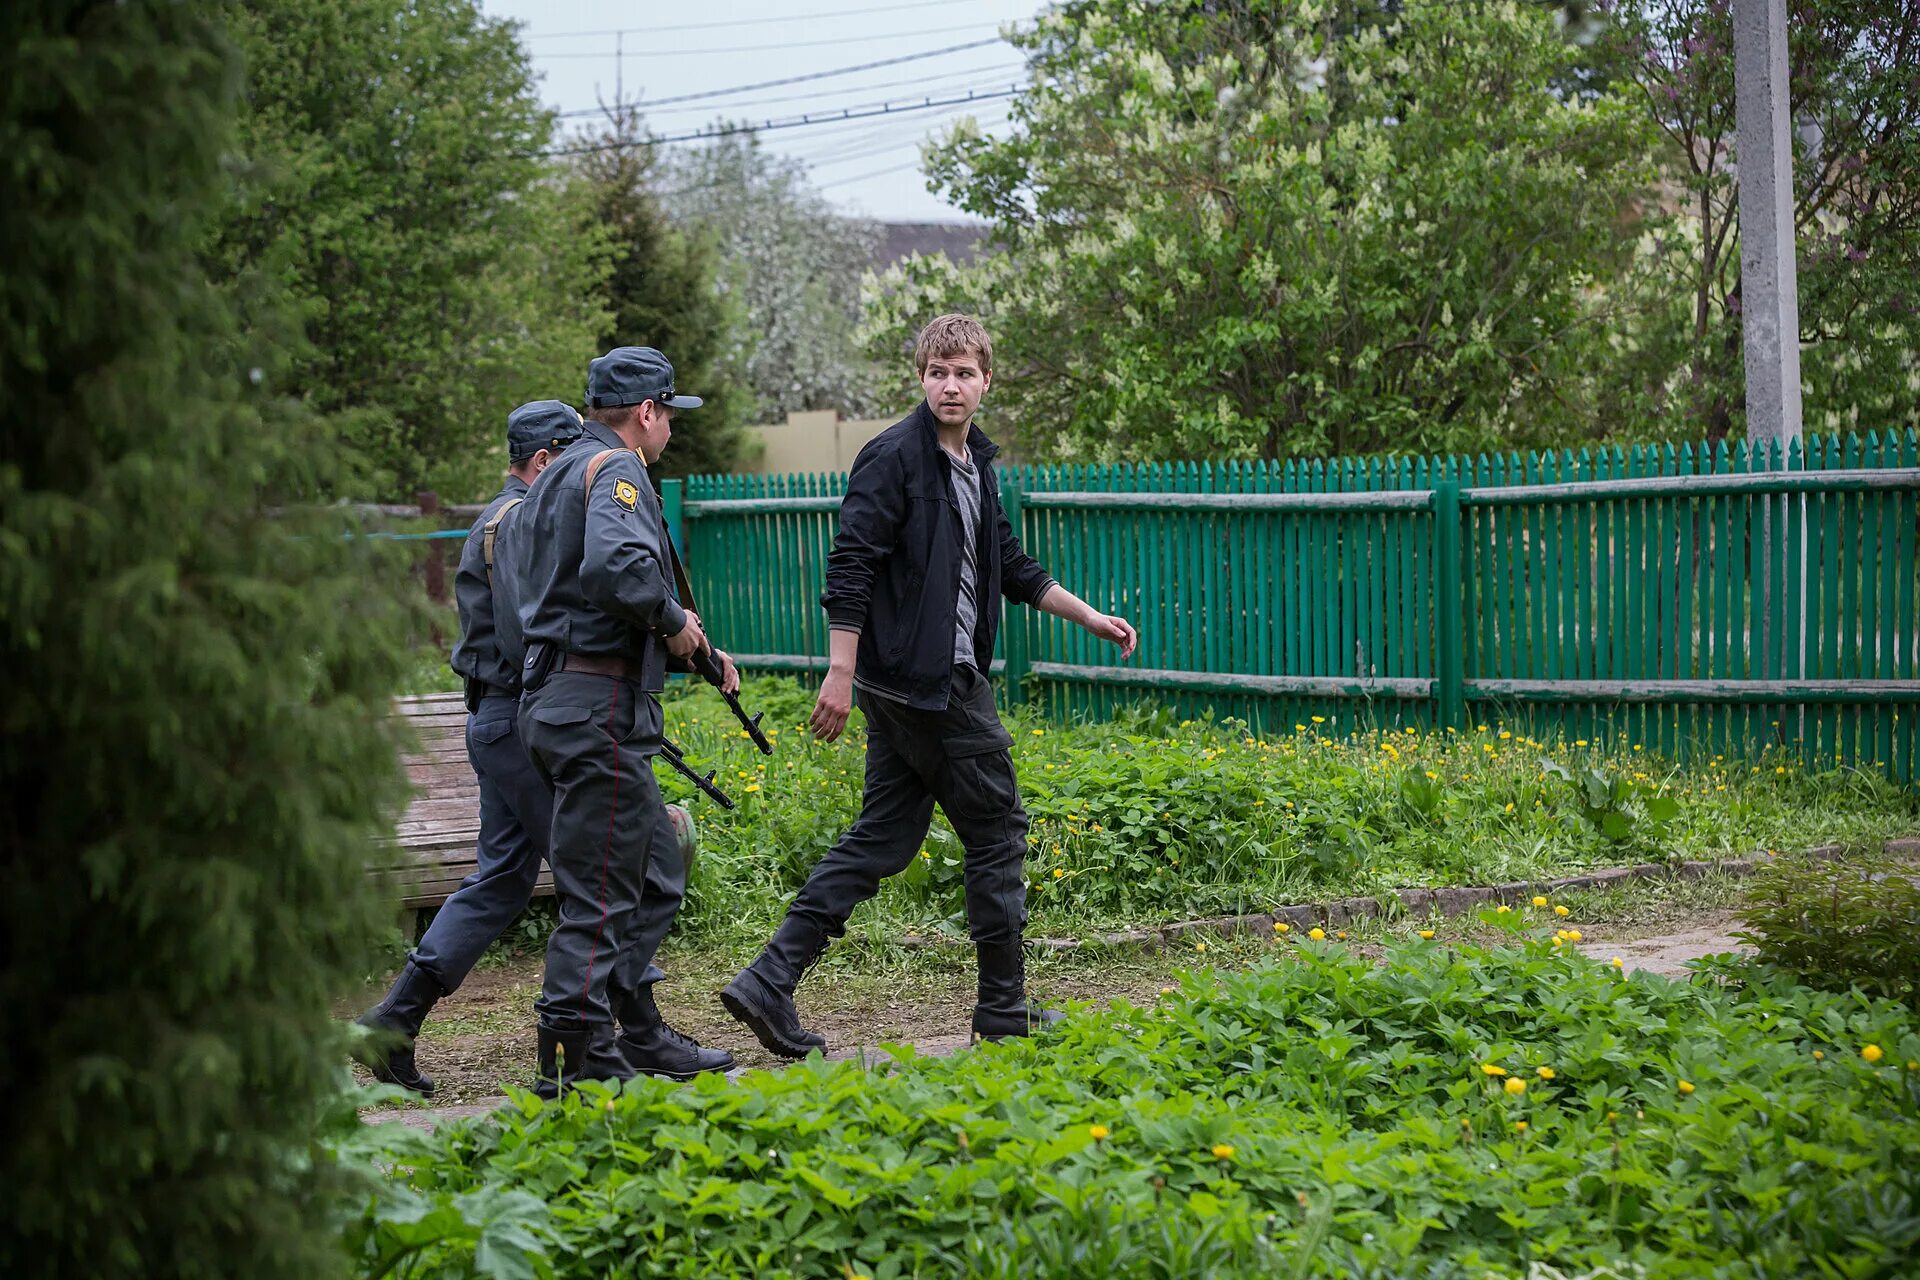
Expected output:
(600, 664)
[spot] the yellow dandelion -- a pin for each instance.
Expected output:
(1573, 935)
(1617, 963)
(1492, 1069)
(1039, 733)
(1562, 911)
(1432, 776)
(1340, 934)
(1098, 1132)
(1515, 1086)
(1686, 1086)
(1502, 909)
(1519, 1126)
(1221, 1151)
(1819, 1055)
(1317, 934)
(1580, 742)
(1872, 1053)
(1505, 734)
(1538, 901)
(1199, 946)
(1058, 872)
(1426, 934)
(1280, 926)
(1545, 1073)
(1318, 719)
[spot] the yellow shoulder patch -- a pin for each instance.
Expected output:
(625, 493)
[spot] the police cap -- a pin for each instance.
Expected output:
(630, 375)
(541, 424)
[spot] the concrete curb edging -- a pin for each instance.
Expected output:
(1407, 903)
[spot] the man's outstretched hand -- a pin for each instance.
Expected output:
(1117, 630)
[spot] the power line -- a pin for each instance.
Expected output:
(783, 100)
(738, 22)
(862, 177)
(768, 126)
(764, 48)
(775, 84)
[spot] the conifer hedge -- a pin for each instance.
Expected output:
(191, 744)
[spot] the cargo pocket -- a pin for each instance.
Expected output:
(980, 781)
(491, 732)
(552, 724)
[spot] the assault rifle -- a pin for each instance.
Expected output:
(670, 752)
(709, 668)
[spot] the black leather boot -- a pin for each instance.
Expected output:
(761, 995)
(580, 1053)
(1003, 1009)
(396, 1021)
(652, 1047)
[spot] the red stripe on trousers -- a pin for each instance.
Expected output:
(606, 852)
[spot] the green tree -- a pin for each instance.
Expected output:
(1267, 228)
(192, 742)
(1853, 68)
(793, 264)
(663, 291)
(397, 185)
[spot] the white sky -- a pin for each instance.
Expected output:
(870, 166)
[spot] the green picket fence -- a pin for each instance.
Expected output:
(1683, 599)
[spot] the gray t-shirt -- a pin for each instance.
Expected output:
(966, 496)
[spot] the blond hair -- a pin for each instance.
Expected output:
(949, 336)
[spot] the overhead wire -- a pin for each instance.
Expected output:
(739, 22)
(706, 94)
(995, 72)
(763, 48)
(770, 126)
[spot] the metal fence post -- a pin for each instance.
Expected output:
(1016, 630)
(1450, 680)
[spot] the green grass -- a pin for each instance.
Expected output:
(1320, 1114)
(1145, 819)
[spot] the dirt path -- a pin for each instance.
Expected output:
(480, 1038)
(1667, 954)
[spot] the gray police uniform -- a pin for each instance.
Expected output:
(515, 805)
(593, 578)
(516, 809)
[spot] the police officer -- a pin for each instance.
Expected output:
(515, 806)
(593, 576)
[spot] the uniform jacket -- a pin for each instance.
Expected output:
(592, 574)
(483, 653)
(891, 572)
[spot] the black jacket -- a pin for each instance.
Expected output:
(891, 572)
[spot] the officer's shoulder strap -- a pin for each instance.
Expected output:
(593, 469)
(492, 528)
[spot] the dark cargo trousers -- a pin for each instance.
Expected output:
(959, 758)
(516, 821)
(617, 872)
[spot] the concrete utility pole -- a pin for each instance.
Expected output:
(1769, 287)
(1769, 309)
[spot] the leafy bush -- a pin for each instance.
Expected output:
(1452, 1112)
(1840, 923)
(193, 743)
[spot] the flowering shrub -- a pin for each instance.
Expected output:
(1453, 1112)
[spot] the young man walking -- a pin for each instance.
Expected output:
(515, 807)
(594, 580)
(914, 581)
